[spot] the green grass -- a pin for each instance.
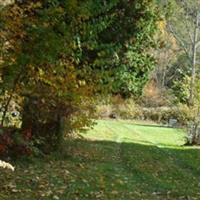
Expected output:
(123, 131)
(128, 162)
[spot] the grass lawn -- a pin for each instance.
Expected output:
(117, 161)
(123, 131)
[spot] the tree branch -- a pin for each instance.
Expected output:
(181, 42)
(197, 43)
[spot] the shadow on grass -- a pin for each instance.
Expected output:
(164, 172)
(145, 148)
(108, 170)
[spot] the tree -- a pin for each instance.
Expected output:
(165, 53)
(178, 79)
(184, 26)
(193, 137)
(58, 54)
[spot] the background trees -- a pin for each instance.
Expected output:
(184, 26)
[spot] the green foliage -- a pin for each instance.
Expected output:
(181, 89)
(59, 54)
(178, 79)
(133, 73)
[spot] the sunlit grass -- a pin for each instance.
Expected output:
(123, 131)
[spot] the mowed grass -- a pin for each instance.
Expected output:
(123, 131)
(128, 162)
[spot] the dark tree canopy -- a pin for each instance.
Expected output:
(58, 54)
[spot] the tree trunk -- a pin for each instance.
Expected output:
(49, 132)
(194, 55)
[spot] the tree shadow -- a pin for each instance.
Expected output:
(165, 172)
(114, 170)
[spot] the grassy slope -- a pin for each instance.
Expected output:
(111, 170)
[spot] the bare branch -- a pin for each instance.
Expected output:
(197, 43)
(181, 42)
(188, 27)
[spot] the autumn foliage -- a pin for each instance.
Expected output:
(59, 55)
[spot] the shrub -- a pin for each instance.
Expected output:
(163, 114)
(128, 109)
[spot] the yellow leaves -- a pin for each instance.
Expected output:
(33, 5)
(81, 82)
(36, 5)
(162, 26)
(15, 11)
(164, 35)
(41, 72)
(13, 31)
(71, 67)
(6, 2)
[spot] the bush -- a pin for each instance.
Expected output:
(117, 107)
(128, 109)
(163, 114)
